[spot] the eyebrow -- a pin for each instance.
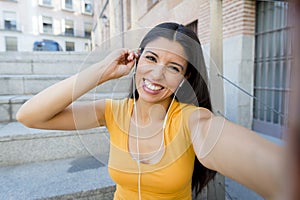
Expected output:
(174, 63)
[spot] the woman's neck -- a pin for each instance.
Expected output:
(150, 112)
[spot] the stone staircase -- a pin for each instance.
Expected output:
(44, 164)
(25, 74)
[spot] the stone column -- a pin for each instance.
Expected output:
(216, 188)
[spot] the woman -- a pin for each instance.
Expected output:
(164, 137)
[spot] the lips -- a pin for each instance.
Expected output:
(151, 86)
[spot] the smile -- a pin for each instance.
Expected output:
(153, 87)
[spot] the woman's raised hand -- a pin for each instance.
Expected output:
(118, 64)
(44, 112)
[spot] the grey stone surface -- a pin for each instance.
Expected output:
(238, 67)
(9, 104)
(10, 67)
(5, 112)
(106, 193)
(77, 178)
(41, 56)
(59, 67)
(45, 62)
(19, 144)
(11, 85)
(32, 84)
(236, 191)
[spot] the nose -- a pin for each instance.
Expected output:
(158, 72)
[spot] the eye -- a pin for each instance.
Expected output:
(151, 58)
(174, 69)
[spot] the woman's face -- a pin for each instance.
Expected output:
(161, 68)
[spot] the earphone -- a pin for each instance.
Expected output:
(181, 83)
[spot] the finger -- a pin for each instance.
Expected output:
(130, 64)
(131, 56)
(136, 55)
(125, 69)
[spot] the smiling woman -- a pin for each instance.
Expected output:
(164, 140)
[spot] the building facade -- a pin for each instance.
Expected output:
(252, 69)
(67, 22)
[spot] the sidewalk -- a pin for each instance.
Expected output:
(80, 178)
(236, 191)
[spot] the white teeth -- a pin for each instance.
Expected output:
(152, 87)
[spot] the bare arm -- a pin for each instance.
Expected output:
(53, 108)
(238, 153)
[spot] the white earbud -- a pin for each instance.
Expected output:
(181, 83)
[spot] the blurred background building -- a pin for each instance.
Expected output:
(66, 22)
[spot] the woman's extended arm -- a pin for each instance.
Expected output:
(238, 153)
(53, 109)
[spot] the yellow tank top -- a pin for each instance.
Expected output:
(171, 177)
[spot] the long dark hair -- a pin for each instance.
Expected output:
(194, 90)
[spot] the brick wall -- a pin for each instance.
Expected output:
(203, 22)
(238, 18)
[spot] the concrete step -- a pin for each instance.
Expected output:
(44, 62)
(20, 145)
(82, 178)
(10, 104)
(61, 67)
(32, 84)
(27, 84)
(41, 55)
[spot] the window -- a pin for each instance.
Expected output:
(272, 66)
(10, 20)
(86, 47)
(46, 2)
(70, 46)
(87, 30)
(11, 43)
(47, 24)
(68, 4)
(87, 7)
(69, 27)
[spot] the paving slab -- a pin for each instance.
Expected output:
(236, 191)
(20, 145)
(58, 178)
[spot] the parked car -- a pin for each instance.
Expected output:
(46, 45)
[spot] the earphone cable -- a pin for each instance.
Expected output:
(137, 131)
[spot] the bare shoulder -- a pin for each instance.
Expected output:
(199, 122)
(200, 117)
(205, 130)
(100, 110)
